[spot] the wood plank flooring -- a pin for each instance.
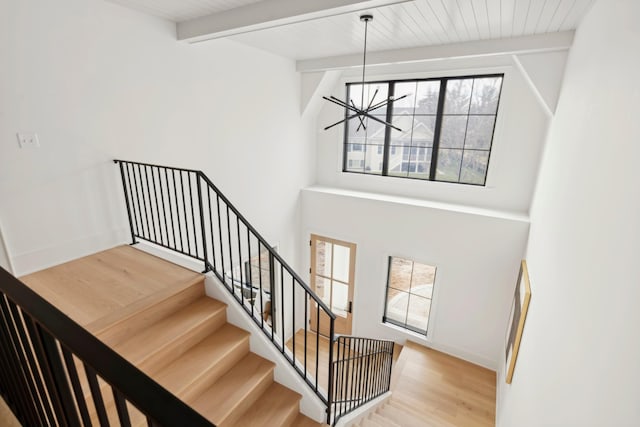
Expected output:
(441, 390)
(430, 388)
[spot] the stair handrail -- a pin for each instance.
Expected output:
(245, 221)
(184, 211)
(155, 192)
(39, 379)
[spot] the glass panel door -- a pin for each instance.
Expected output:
(332, 279)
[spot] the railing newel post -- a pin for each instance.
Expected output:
(126, 199)
(330, 382)
(202, 228)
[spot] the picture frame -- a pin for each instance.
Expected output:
(517, 318)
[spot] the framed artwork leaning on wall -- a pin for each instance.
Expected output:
(519, 308)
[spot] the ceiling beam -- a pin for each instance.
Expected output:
(517, 45)
(269, 14)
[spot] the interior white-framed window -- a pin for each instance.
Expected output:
(447, 127)
(409, 293)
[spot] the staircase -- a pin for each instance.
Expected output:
(184, 342)
(177, 335)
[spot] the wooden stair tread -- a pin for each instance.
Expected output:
(226, 399)
(171, 335)
(135, 317)
(205, 362)
(278, 406)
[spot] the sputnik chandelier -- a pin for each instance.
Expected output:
(363, 113)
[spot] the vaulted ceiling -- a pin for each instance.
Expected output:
(397, 24)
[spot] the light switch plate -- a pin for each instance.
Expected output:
(28, 140)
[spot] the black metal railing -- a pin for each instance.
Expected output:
(53, 372)
(182, 210)
(361, 372)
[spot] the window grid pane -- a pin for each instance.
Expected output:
(409, 294)
(466, 121)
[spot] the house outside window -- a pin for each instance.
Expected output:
(409, 294)
(447, 129)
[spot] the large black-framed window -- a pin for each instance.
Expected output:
(447, 128)
(409, 294)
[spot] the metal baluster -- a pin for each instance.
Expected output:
(175, 193)
(164, 205)
(184, 213)
(121, 407)
(306, 322)
(202, 228)
(248, 273)
(260, 281)
(233, 285)
(193, 217)
(213, 240)
(42, 394)
(96, 395)
(240, 259)
(282, 305)
(145, 225)
(126, 200)
(54, 365)
(16, 381)
(224, 280)
(330, 379)
(317, 342)
(174, 245)
(293, 320)
(77, 388)
(155, 198)
(153, 220)
(272, 290)
(16, 333)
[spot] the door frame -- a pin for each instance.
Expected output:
(343, 325)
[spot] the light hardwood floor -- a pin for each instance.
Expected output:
(437, 390)
(430, 388)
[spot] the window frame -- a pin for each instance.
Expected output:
(437, 129)
(406, 326)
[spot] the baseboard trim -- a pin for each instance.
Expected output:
(476, 359)
(40, 259)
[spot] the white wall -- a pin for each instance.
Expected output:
(521, 129)
(97, 81)
(477, 255)
(578, 362)
(4, 257)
